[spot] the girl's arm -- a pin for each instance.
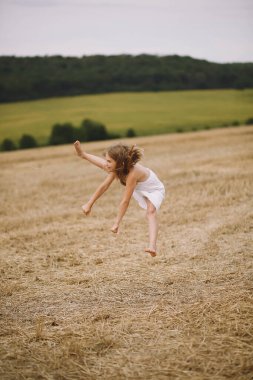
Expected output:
(100, 190)
(98, 161)
(130, 186)
(95, 160)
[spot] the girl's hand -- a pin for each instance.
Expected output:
(86, 209)
(79, 150)
(115, 228)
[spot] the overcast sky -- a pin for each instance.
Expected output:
(216, 30)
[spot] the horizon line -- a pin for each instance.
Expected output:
(119, 54)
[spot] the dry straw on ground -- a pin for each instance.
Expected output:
(80, 303)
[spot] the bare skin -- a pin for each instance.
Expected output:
(153, 227)
(138, 174)
(95, 160)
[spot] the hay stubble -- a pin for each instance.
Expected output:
(80, 303)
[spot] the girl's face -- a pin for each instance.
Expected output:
(110, 163)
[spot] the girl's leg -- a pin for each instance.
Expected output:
(95, 160)
(152, 226)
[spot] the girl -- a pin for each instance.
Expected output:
(121, 162)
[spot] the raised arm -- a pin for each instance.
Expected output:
(95, 160)
(130, 186)
(97, 194)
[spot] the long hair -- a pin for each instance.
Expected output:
(126, 157)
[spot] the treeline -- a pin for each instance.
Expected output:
(66, 133)
(26, 78)
(90, 130)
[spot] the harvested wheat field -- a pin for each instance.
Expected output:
(78, 302)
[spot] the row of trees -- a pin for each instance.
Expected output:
(66, 133)
(26, 141)
(23, 78)
(90, 131)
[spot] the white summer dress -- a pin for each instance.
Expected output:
(152, 188)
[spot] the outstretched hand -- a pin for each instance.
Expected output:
(115, 229)
(86, 209)
(78, 148)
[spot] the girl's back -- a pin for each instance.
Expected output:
(141, 172)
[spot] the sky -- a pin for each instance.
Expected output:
(214, 30)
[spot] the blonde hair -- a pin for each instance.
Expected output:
(126, 157)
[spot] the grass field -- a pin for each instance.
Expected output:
(147, 113)
(80, 303)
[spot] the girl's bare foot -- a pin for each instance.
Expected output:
(152, 252)
(79, 150)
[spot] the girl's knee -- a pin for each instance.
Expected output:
(151, 211)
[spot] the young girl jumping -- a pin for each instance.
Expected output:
(121, 162)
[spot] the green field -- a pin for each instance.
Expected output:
(148, 113)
